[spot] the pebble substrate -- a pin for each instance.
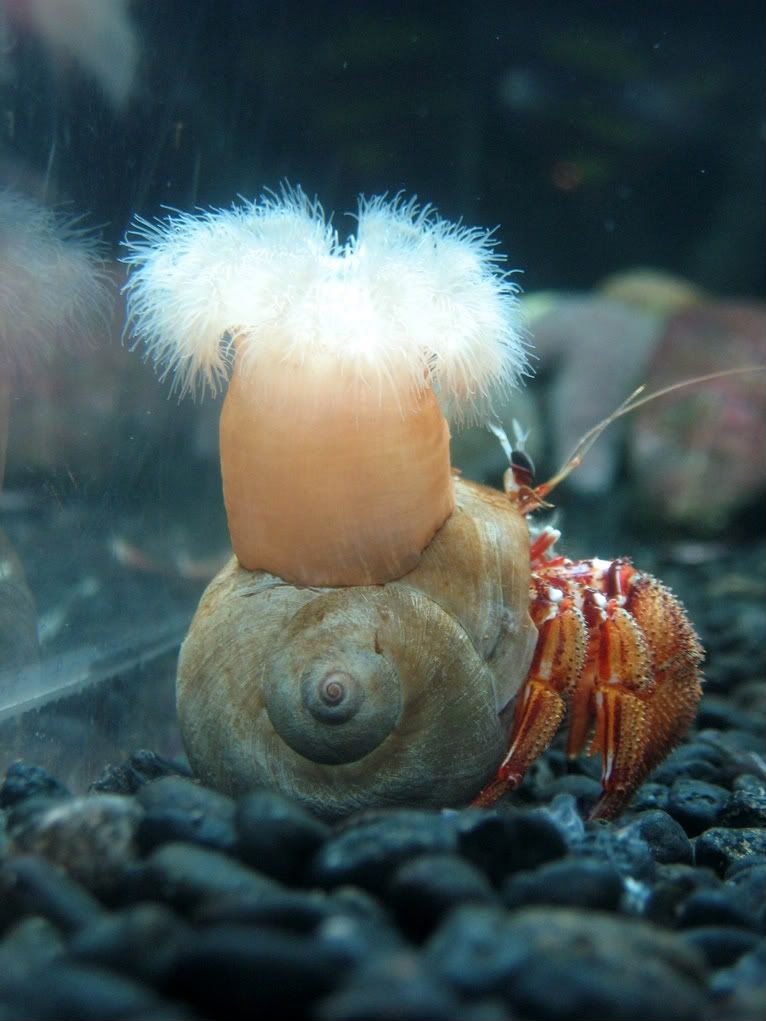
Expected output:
(153, 897)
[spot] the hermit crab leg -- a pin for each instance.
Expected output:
(645, 705)
(616, 648)
(541, 706)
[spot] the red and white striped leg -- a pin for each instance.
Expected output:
(541, 703)
(618, 646)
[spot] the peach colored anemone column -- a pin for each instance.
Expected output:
(328, 480)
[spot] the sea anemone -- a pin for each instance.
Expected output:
(344, 356)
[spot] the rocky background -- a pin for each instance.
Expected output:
(152, 896)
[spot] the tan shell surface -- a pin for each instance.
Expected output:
(425, 664)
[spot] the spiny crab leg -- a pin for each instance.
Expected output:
(541, 704)
(640, 720)
(618, 647)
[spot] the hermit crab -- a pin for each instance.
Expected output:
(387, 632)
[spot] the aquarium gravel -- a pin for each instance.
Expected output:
(152, 896)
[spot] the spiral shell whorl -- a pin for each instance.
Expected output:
(332, 702)
(346, 698)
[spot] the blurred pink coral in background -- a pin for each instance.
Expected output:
(696, 457)
(700, 454)
(593, 348)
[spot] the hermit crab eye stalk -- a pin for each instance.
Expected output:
(523, 468)
(345, 358)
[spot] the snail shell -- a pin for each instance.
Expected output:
(368, 695)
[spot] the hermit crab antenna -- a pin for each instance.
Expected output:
(631, 403)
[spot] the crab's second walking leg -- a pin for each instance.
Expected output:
(617, 646)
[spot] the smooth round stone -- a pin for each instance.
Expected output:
(720, 848)
(369, 850)
(717, 907)
(696, 805)
(31, 943)
(719, 714)
(92, 838)
(500, 844)
(65, 990)
(391, 987)
(29, 885)
(624, 850)
(23, 781)
(744, 807)
(696, 760)
(585, 790)
(350, 940)
(665, 837)
(249, 972)
(178, 809)
(296, 911)
(672, 886)
(140, 941)
(185, 876)
(558, 963)
(721, 945)
(749, 783)
(571, 882)
(276, 835)
(740, 990)
(425, 888)
(649, 796)
(562, 812)
(748, 886)
(142, 767)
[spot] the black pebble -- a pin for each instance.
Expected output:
(65, 991)
(368, 851)
(502, 843)
(747, 884)
(625, 850)
(585, 790)
(696, 805)
(140, 941)
(392, 987)
(721, 945)
(29, 885)
(696, 760)
(30, 944)
(249, 972)
(185, 876)
(176, 808)
(745, 807)
(571, 882)
(350, 939)
(92, 837)
(24, 781)
(276, 835)
(718, 907)
(719, 714)
(664, 836)
(650, 795)
(673, 885)
(298, 911)
(425, 888)
(141, 767)
(557, 963)
(739, 991)
(720, 848)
